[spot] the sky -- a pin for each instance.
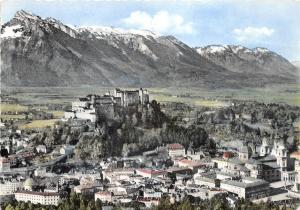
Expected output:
(273, 24)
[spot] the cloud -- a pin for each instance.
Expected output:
(161, 22)
(252, 33)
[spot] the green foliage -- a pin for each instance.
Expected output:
(75, 201)
(216, 203)
(137, 129)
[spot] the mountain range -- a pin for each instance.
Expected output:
(39, 51)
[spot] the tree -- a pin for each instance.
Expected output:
(98, 204)
(185, 205)
(9, 207)
(164, 204)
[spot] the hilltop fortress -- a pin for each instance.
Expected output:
(86, 107)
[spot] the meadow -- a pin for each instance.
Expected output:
(40, 98)
(12, 108)
(12, 116)
(194, 96)
(38, 124)
(288, 94)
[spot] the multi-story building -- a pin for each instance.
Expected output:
(248, 188)
(150, 173)
(38, 197)
(176, 150)
(194, 165)
(10, 186)
(206, 181)
(296, 156)
(4, 164)
(104, 196)
(132, 97)
(271, 163)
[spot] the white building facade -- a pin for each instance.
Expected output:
(38, 197)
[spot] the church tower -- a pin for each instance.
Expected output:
(265, 148)
(245, 153)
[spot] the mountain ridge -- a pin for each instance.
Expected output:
(46, 52)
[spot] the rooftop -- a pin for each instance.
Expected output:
(175, 146)
(296, 155)
(241, 184)
(37, 193)
(205, 179)
(190, 162)
(151, 171)
(103, 193)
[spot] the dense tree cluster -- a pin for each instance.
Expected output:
(250, 121)
(80, 202)
(137, 130)
(216, 203)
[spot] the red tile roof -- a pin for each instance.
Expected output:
(175, 146)
(296, 155)
(227, 155)
(151, 171)
(190, 162)
(103, 193)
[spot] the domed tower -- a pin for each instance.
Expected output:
(265, 148)
(245, 153)
(29, 184)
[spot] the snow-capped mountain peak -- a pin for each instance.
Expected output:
(238, 58)
(59, 25)
(22, 14)
(45, 52)
(211, 49)
(235, 49)
(260, 50)
(105, 31)
(240, 49)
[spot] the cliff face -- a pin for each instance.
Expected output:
(45, 52)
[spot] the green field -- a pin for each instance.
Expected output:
(199, 96)
(195, 96)
(12, 116)
(56, 114)
(12, 108)
(192, 101)
(36, 124)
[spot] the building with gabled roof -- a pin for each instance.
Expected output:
(176, 150)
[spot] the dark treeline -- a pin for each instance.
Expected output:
(79, 202)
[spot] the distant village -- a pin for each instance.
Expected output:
(47, 175)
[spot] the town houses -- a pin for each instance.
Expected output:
(100, 151)
(245, 173)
